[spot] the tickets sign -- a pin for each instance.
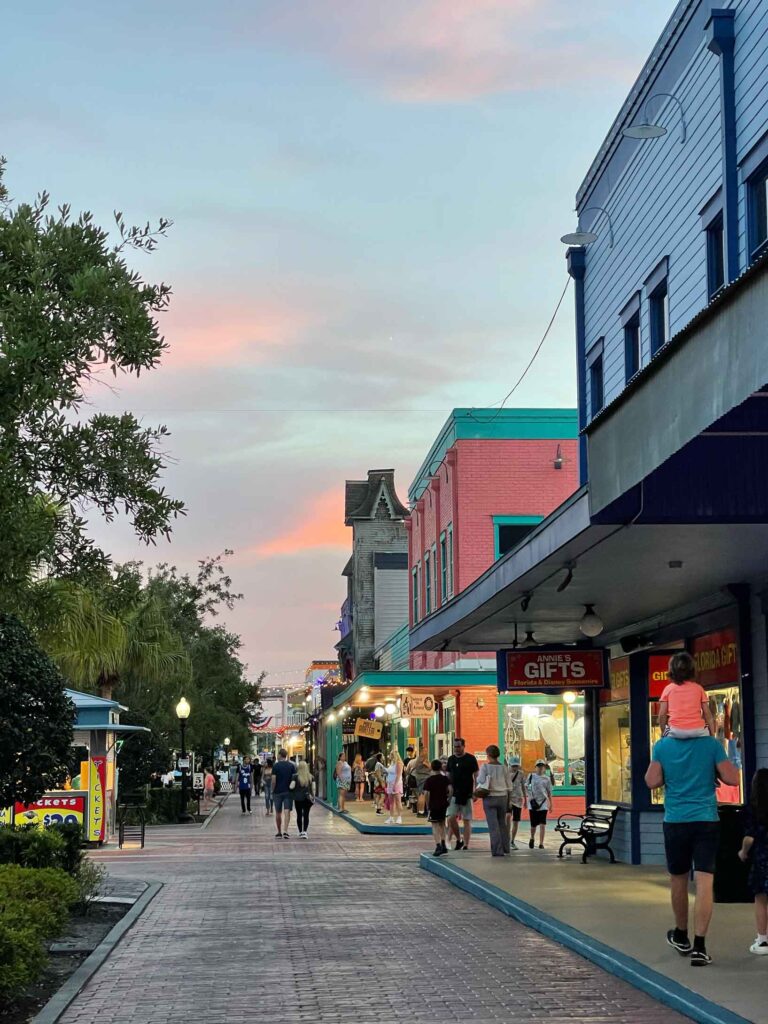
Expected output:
(553, 669)
(47, 811)
(97, 821)
(371, 730)
(417, 706)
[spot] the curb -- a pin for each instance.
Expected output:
(390, 830)
(659, 986)
(74, 985)
(213, 814)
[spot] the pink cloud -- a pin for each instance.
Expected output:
(220, 332)
(321, 525)
(427, 51)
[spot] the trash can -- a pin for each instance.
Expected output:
(730, 873)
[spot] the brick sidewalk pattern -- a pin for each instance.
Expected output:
(338, 928)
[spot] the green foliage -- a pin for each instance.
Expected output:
(89, 880)
(34, 906)
(72, 310)
(29, 846)
(164, 805)
(37, 717)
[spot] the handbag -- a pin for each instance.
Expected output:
(484, 788)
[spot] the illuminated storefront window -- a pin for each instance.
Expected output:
(615, 747)
(542, 725)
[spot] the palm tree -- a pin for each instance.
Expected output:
(102, 648)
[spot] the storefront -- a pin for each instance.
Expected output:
(89, 797)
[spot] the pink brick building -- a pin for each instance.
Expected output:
(488, 479)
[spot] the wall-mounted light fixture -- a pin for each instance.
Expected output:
(579, 237)
(591, 624)
(558, 460)
(648, 129)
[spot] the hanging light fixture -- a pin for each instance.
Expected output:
(390, 708)
(405, 723)
(530, 639)
(648, 129)
(331, 718)
(591, 624)
(580, 237)
(569, 697)
(379, 711)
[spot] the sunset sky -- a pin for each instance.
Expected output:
(367, 199)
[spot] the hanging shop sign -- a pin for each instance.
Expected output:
(618, 681)
(417, 706)
(527, 670)
(369, 729)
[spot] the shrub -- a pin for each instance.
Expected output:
(21, 958)
(32, 847)
(90, 882)
(44, 885)
(164, 804)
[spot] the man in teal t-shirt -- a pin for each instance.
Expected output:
(688, 769)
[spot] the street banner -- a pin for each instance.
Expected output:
(97, 821)
(368, 728)
(553, 669)
(48, 810)
(417, 705)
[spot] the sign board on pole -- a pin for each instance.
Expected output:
(368, 728)
(183, 762)
(555, 669)
(198, 780)
(417, 705)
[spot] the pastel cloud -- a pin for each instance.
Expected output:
(434, 51)
(321, 525)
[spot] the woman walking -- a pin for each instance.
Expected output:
(358, 775)
(493, 787)
(421, 769)
(756, 845)
(379, 784)
(516, 780)
(539, 801)
(342, 773)
(303, 797)
(266, 781)
(395, 789)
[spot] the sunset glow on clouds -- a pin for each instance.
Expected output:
(367, 201)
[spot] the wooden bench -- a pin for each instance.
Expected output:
(592, 831)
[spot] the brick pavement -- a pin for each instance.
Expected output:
(340, 927)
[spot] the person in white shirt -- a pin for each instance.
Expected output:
(539, 801)
(493, 785)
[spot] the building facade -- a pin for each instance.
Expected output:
(665, 545)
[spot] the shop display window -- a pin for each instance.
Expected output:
(544, 726)
(615, 750)
(725, 705)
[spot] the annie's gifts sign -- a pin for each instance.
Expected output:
(577, 670)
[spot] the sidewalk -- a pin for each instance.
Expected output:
(363, 817)
(626, 909)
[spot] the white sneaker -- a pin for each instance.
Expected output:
(398, 820)
(389, 821)
(302, 835)
(759, 948)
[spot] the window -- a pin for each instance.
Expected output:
(427, 584)
(757, 204)
(596, 385)
(415, 592)
(443, 569)
(632, 347)
(510, 530)
(450, 560)
(434, 573)
(715, 256)
(542, 726)
(615, 761)
(658, 315)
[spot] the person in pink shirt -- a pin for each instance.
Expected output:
(684, 708)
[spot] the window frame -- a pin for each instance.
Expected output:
(753, 170)
(427, 584)
(498, 521)
(415, 608)
(716, 227)
(657, 290)
(451, 581)
(632, 347)
(443, 568)
(595, 360)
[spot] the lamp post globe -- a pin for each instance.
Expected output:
(182, 713)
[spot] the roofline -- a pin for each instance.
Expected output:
(675, 23)
(452, 431)
(418, 678)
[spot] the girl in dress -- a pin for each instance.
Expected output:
(343, 775)
(358, 775)
(756, 844)
(395, 789)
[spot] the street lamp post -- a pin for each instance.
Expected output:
(227, 742)
(182, 713)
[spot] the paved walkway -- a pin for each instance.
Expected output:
(340, 927)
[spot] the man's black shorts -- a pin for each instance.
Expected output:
(691, 844)
(437, 814)
(537, 818)
(516, 812)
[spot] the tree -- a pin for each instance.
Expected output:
(71, 309)
(36, 718)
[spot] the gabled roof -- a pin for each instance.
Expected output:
(90, 700)
(363, 496)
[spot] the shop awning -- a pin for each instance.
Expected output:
(106, 727)
(629, 573)
(372, 688)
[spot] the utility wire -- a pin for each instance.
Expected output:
(532, 360)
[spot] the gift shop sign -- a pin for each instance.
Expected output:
(371, 730)
(527, 670)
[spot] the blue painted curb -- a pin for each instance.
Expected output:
(389, 830)
(662, 988)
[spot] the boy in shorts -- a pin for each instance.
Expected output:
(437, 790)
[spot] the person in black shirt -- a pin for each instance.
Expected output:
(462, 771)
(245, 784)
(256, 777)
(437, 789)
